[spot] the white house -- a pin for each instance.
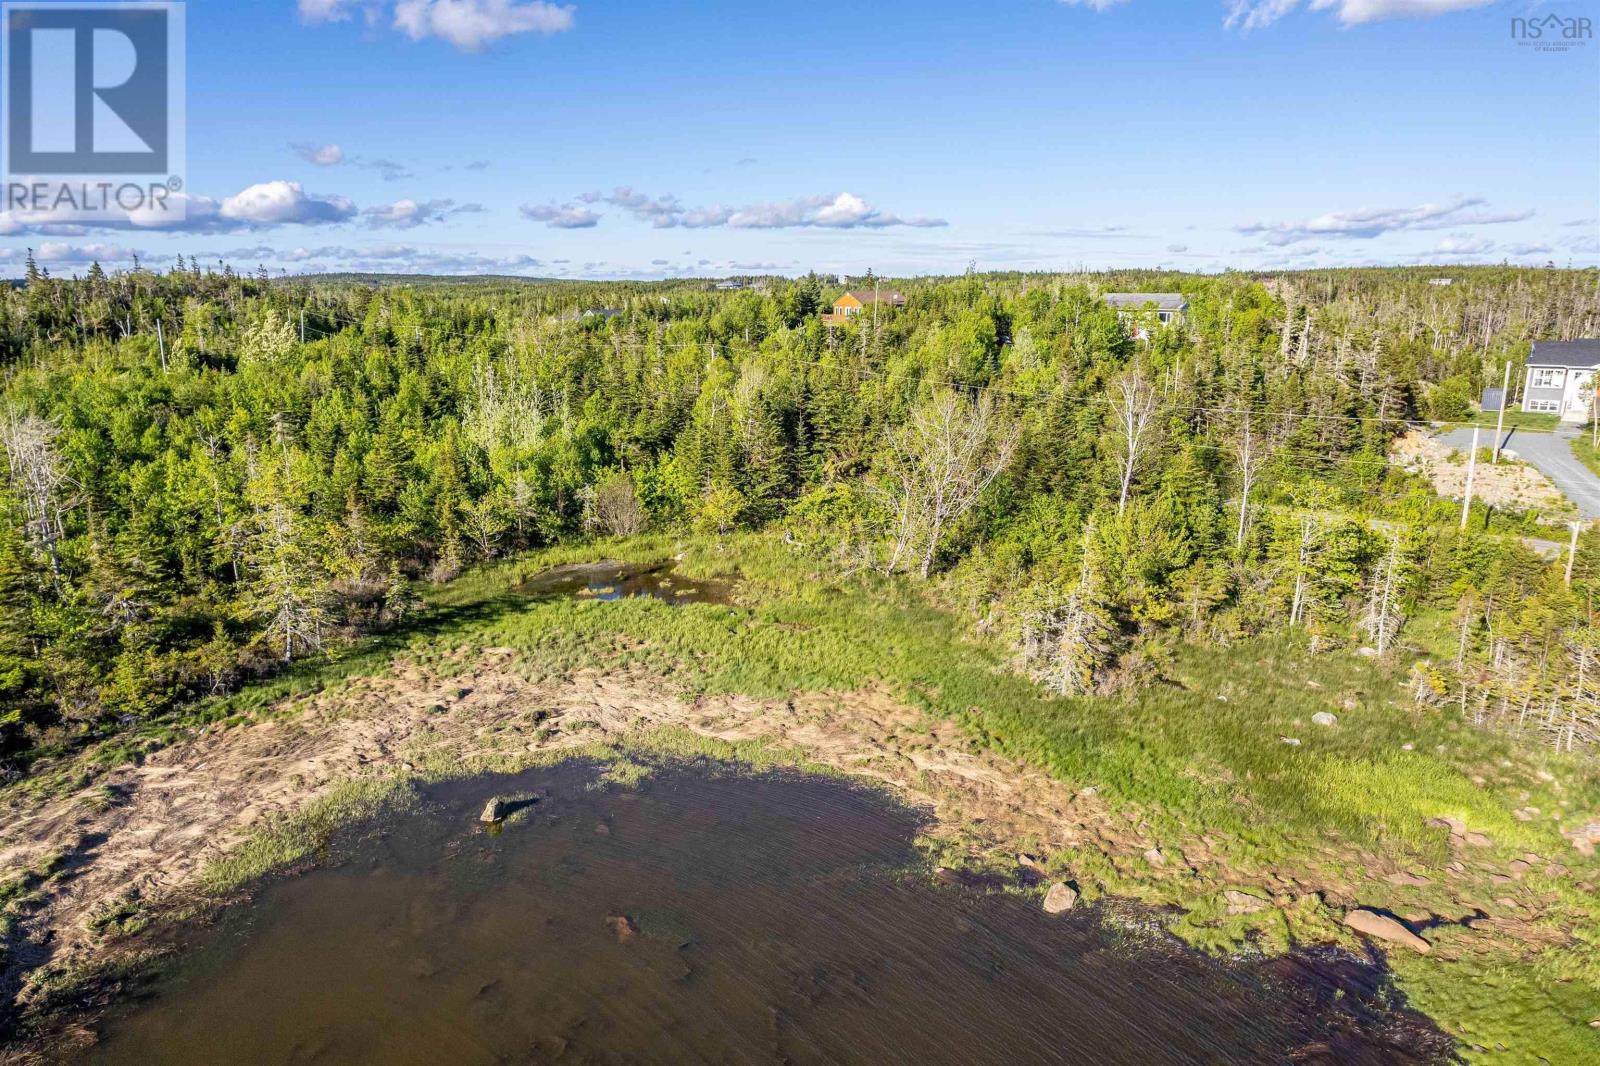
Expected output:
(1561, 378)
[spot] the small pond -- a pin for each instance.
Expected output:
(707, 916)
(618, 581)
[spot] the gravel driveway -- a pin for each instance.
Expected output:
(1552, 454)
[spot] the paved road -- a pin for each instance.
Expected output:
(1552, 454)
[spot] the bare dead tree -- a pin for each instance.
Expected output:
(944, 456)
(1133, 404)
(39, 481)
(1065, 643)
(1252, 446)
(1383, 617)
(616, 506)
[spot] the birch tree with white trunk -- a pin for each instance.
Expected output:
(1134, 405)
(950, 449)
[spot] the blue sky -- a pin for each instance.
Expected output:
(627, 139)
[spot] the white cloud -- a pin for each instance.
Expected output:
(61, 254)
(561, 216)
(1463, 244)
(843, 210)
(380, 258)
(323, 155)
(326, 10)
(332, 155)
(1087, 232)
(473, 25)
(276, 203)
(1177, 249)
(1093, 5)
(1369, 222)
(1256, 14)
(407, 214)
(1354, 12)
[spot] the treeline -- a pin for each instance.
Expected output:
(210, 473)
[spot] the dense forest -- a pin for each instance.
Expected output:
(210, 474)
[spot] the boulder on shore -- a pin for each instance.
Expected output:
(1382, 927)
(1244, 902)
(1061, 897)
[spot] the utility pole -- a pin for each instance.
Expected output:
(1500, 423)
(1572, 551)
(1472, 468)
(161, 342)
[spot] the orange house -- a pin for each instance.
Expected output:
(855, 301)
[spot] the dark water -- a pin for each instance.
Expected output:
(703, 918)
(616, 581)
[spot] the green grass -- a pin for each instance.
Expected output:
(297, 837)
(1534, 422)
(1584, 449)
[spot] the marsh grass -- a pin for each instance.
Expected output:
(292, 839)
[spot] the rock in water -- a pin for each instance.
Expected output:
(1325, 718)
(622, 927)
(1382, 927)
(1061, 897)
(493, 811)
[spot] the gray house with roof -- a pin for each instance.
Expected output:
(1138, 310)
(1561, 378)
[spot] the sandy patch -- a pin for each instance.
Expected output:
(1508, 486)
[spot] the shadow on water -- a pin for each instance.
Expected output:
(709, 917)
(618, 581)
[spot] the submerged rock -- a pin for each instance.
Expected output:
(1061, 897)
(622, 927)
(1382, 927)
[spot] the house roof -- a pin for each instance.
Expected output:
(591, 312)
(1584, 353)
(1164, 301)
(888, 296)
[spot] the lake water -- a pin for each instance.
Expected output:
(706, 917)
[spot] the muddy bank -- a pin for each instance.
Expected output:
(698, 915)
